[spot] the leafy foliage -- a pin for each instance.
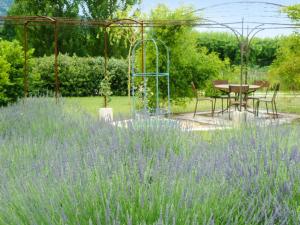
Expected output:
(262, 50)
(293, 11)
(4, 80)
(187, 62)
(105, 90)
(286, 67)
(79, 76)
(78, 40)
(70, 40)
(11, 67)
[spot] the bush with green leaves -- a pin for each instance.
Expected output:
(78, 76)
(105, 89)
(4, 80)
(187, 62)
(286, 68)
(293, 11)
(11, 71)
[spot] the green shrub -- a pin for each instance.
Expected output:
(4, 79)
(118, 70)
(286, 68)
(187, 62)
(78, 76)
(11, 71)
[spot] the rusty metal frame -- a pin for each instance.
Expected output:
(45, 20)
(26, 21)
(25, 43)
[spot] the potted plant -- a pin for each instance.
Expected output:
(106, 113)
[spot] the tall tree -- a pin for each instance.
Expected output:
(187, 62)
(286, 67)
(41, 38)
(105, 9)
(72, 39)
(293, 11)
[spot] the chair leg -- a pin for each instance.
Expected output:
(222, 106)
(267, 108)
(196, 107)
(212, 108)
(227, 104)
(215, 101)
(229, 111)
(253, 105)
(273, 112)
(257, 108)
(276, 109)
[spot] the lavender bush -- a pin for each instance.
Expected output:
(61, 169)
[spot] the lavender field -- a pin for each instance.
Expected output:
(60, 166)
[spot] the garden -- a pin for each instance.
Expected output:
(203, 126)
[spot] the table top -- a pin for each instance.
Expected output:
(225, 87)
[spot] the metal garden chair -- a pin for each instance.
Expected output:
(272, 101)
(263, 84)
(237, 89)
(200, 97)
(222, 95)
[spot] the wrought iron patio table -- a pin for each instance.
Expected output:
(225, 88)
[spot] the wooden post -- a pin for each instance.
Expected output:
(56, 61)
(25, 78)
(105, 60)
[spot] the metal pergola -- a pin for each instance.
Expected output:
(236, 27)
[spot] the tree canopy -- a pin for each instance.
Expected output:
(293, 11)
(286, 68)
(77, 40)
(188, 63)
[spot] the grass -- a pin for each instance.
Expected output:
(58, 167)
(122, 105)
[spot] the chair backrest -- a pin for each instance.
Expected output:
(238, 88)
(263, 84)
(217, 82)
(276, 89)
(259, 83)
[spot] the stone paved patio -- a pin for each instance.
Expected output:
(204, 121)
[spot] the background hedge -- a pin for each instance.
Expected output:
(78, 76)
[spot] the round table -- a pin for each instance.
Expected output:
(225, 87)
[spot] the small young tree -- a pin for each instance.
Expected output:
(105, 90)
(128, 35)
(188, 62)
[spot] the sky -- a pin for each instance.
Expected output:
(233, 12)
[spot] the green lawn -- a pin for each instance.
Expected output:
(122, 105)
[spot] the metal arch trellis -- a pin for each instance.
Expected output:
(26, 21)
(246, 40)
(157, 74)
(243, 40)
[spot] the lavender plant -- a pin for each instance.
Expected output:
(58, 169)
